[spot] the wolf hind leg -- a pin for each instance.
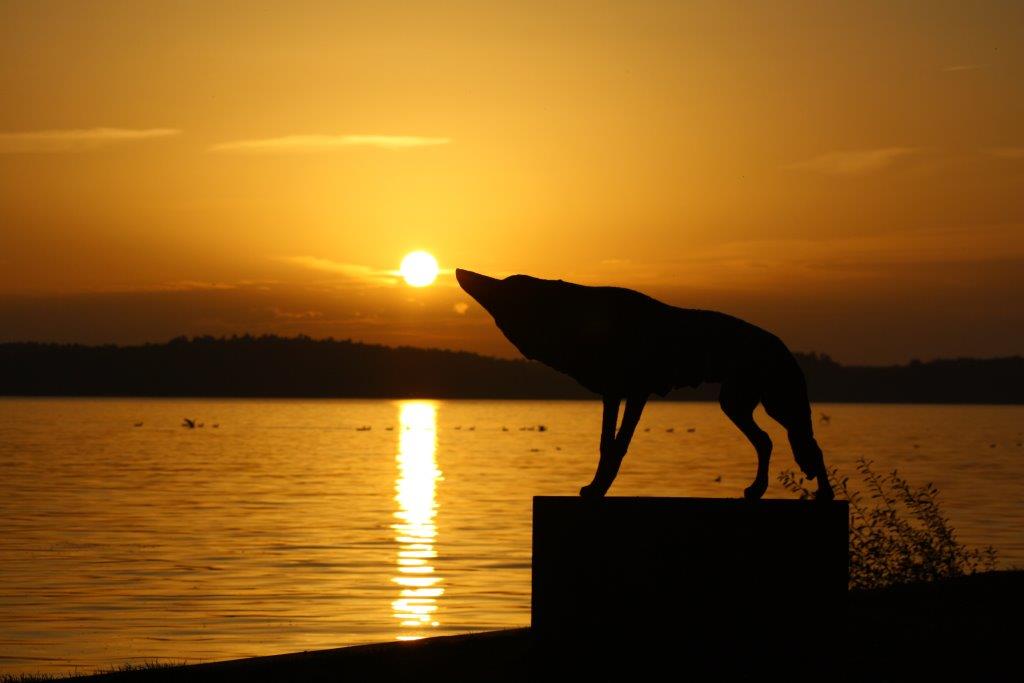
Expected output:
(787, 404)
(738, 402)
(808, 456)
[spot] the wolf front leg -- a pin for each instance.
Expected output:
(614, 447)
(608, 465)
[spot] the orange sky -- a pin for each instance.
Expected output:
(848, 175)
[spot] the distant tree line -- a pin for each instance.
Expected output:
(271, 366)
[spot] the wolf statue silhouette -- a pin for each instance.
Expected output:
(625, 345)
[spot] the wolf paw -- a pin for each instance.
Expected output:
(591, 491)
(824, 495)
(810, 472)
(755, 490)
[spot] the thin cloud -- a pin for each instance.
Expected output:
(353, 271)
(177, 286)
(284, 314)
(76, 140)
(773, 266)
(194, 285)
(1007, 152)
(962, 67)
(324, 143)
(853, 162)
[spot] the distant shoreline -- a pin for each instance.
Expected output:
(273, 367)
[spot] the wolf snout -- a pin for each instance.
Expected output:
(481, 287)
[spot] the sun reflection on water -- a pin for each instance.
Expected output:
(415, 530)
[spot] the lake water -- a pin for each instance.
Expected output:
(288, 525)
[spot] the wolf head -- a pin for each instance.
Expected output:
(558, 323)
(511, 295)
(530, 311)
(606, 338)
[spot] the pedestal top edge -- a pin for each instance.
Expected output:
(682, 500)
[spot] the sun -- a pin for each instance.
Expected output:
(419, 269)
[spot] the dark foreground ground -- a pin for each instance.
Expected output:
(967, 629)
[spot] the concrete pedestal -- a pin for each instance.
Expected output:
(721, 573)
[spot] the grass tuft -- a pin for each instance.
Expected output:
(119, 668)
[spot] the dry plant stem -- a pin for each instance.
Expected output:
(903, 537)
